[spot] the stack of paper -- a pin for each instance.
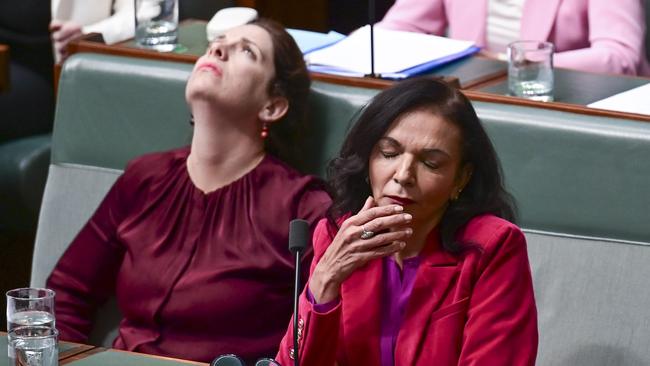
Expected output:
(309, 41)
(397, 54)
(631, 101)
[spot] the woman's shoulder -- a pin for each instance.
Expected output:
(279, 178)
(491, 232)
(280, 170)
(155, 164)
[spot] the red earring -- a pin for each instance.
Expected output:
(265, 131)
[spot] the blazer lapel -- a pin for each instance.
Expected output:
(362, 314)
(537, 19)
(433, 282)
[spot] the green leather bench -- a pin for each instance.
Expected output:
(582, 184)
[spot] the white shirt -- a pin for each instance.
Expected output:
(95, 16)
(503, 23)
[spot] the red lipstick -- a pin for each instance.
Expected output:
(400, 200)
(212, 67)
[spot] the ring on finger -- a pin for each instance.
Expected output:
(366, 234)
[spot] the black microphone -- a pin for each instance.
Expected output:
(234, 360)
(227, 360)
(298, 240)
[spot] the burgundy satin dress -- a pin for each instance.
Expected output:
(196, 275)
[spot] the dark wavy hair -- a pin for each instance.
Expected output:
(484, 193)
(292, 82)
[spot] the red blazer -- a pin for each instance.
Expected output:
(474, 309)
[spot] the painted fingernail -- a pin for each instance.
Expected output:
(409, 231)
(399, 208)
(407, 217)
(402, 244)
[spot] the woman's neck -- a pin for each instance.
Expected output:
(222, 150)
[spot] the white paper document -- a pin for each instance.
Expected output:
(309, 41)
(395, 52)
(635, 100)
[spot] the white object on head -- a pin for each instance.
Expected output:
(229, 18)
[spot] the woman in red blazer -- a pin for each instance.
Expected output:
(428, 271)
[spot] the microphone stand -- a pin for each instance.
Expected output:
(298, 239)
(296, 295)
(371, 21)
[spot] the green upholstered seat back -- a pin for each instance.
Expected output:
(582, 184)
(573, 173)
(109, 110)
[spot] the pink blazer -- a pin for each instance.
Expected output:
(476, 309)
(591, 35)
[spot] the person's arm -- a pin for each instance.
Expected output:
(336, 257)
(616, 36)
(119, 27)
(85, 275)
(422, 16)
(319, 330)
(501, 327)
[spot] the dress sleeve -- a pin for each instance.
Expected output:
(501, 327)
(119, 26)
(85, 275)
(318, 332)
(423, 16)
(616, 35)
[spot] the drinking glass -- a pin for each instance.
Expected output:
(30, 307)
(530, 70)
(33, 346)
(156, 24)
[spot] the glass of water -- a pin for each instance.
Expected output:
(156, 24)
(530, 70)
(30, 307)
(33, 346)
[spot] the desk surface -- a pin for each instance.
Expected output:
(66, 350)
(85, 355)
(481, 78)
(470, 71)
(579, 87)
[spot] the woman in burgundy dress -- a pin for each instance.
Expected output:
(193, 241)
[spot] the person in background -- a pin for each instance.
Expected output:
(418, 262)
(590, 35)
(114, 19)
(27, 108)
(193, 242)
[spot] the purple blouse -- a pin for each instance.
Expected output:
(196, 275)
(397, 287)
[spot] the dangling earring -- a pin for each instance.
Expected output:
(265, 131)
(191, 120)
(455, 197)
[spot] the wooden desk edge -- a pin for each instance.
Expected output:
(97, 350)
(4, 68)
(558, 106)
(76, 350)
